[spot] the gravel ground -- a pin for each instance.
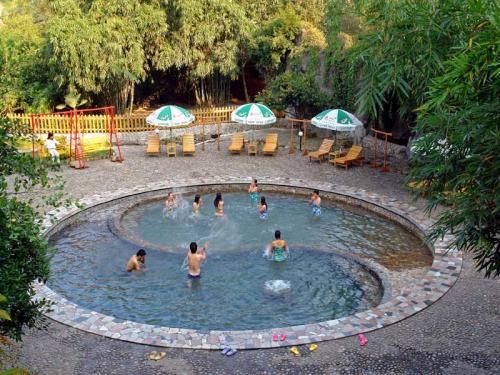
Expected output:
(456, 335)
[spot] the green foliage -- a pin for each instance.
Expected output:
(104, 48)
(22, 248)
(457, 162)
(295, 90)
(25, 80)
(403, 46)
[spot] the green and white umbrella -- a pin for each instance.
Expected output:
(339, 120)
(336, 119)
(253, 114)
(170, 115)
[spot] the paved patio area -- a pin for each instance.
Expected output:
(456, 335)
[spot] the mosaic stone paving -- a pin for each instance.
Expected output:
(439, 279)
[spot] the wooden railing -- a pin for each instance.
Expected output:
(124, 124)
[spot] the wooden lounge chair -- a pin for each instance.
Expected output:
(153, 146)
(237, 144)
(353, 156)
(188, 147)
(171, 149)
(271, 145)
(322, 151)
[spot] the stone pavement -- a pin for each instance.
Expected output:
(456, 335)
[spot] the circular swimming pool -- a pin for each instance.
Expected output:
(240, 288)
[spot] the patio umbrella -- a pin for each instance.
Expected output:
(337, 120)
(170, 116)
(253, 114)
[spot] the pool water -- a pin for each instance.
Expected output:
(240, 288)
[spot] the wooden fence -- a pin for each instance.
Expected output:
(124, 124)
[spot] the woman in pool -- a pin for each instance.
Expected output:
(316, 203)
(253, 191)
(262, 206)
(279, 248)
(170, 203)
(219, 205)
(197, 204)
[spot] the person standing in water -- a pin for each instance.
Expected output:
(253, 190)
(262, 206)
(195, 258)
(219, 205)
(316, 203)
(170, 203)
(197, 204)
(136, 262)
(279, 248)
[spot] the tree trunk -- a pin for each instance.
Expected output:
(244, 80)
(131, 97)
(212, 90)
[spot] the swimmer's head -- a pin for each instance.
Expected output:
(170, 195)
(218, 198)
(255, 181)
(193, 247)
(263, 200)
(50, 135)
(141, 255)
(197, 199)
(315, 193)
(277, 235)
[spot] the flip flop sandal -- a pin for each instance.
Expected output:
(225, 350)
(156, 356)
(231, 352)
(282, 337)
(313, 347)
(295, 351)
(362, 340)
(275, 337)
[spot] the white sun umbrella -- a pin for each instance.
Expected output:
(337, 120)
(253, 114)
(170, 116)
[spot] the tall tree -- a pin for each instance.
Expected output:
(204, 38)
(457, 161)
(403, 47)
(104, 48)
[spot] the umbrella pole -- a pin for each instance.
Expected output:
(305, 139)
(218, 135)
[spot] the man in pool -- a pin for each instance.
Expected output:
(136, 262)
(316, 203)
(279, 248)
(195, 258)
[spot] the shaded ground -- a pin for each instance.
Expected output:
(456, 335)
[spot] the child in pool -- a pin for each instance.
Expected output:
(316, 203)
(197, 204)
(253, 191)
(170, 203)
(262, 206)
(219, 205)
(279, 248)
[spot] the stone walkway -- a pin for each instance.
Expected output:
(456, 335)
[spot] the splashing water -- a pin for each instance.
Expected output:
(277, 286)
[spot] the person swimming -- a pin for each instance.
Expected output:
(219, 205)
(170, 203)
(195, 257)
(136, 262)
(316, 203)
(197, 204)
(253, 191)
(279, 248)
(263, 208)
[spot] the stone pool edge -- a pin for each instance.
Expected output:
(439, 279)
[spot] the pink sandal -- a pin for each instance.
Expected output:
(362, 340)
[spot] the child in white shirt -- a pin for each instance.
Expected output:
(50, 145)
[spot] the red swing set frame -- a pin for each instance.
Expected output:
(77, 128)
